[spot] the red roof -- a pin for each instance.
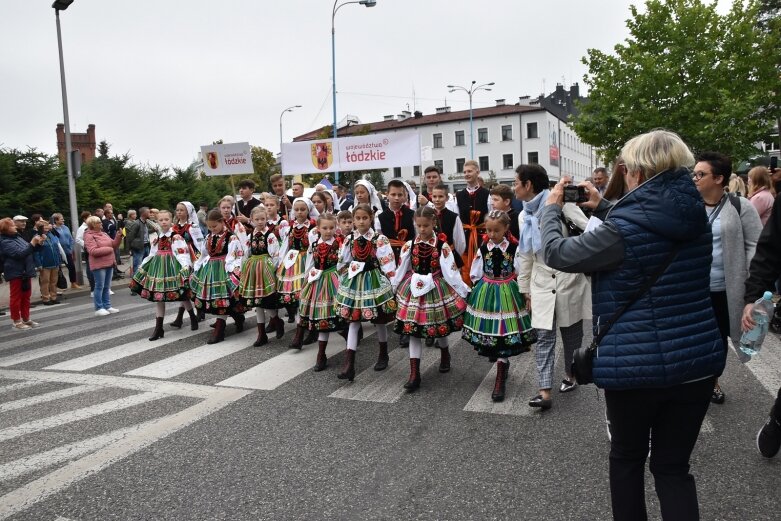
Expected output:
(430, 119)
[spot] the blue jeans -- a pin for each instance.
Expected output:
(101, 297)
(138, 256)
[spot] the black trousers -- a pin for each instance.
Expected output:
(670, 418)
(719, 302)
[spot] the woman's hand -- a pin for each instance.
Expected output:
(422, 201)
(557, 192)
(747, 321)
(594, 197)
(528, 298)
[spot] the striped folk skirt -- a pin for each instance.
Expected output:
(367, 297)
(291, 280)
(213, 290)
(162, 279)
(433, 315)
(497, 323)
(258, 285)
(316, 306)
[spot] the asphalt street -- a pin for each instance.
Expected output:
(96, 423)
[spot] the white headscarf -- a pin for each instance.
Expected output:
(335, 200)
(195, 227)
(374, 199)
(313, 213)
(413, 197)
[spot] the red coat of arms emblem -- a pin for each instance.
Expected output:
(322, 155)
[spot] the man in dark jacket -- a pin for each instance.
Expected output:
(137, 237)
(764, 271)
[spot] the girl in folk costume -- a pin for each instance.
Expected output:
(316, 307)
(365, 193)
(215, 279)
(497, 323)
(281, 228)
(258, 285)
(291, 274)
(162, 276)
(186, 226)
(365, 292)
(430, 293)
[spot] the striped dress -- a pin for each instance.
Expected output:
(163, 274)
(497, 323)
(316, 306)
(258, 285)
(214, 282)
(291, 273)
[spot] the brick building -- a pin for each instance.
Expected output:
(85, 143)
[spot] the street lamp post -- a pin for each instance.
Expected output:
(470, 91)
(367, 3)
(61, 5)
(289, 109)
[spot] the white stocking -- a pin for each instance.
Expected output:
(382, 332)
(505, 360)
(187, 305)
(415, 348)
(443, 342)
(323, 336)
(352, 336)
(260, 313)
(160, 309)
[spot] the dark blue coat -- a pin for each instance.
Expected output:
(669, 335)
(16, 255)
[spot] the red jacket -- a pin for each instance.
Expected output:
(100, 248)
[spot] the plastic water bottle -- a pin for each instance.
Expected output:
(751, 341)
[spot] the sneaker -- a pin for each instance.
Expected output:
(91, 294)
(31, 323)
(20, 325)
(112, 310)
(567, 386)
(102, 313)
(769, 437)
(110, 292)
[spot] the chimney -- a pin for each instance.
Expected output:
(574, 91)
(524, 101)
(559, 88)
(389, 117)
(418, 114)
(500, 102)
(443, 110)
(404, 115)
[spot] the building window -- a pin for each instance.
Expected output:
(439, 164)
(507, 161)
(482, 135)
(437, 140)
(396, 171)
(460, 164)
(484, 166)
(460, 139)
(531, 131)
(507, 132)
(533, 158)
(416, 171)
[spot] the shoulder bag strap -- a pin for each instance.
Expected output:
(647, 286)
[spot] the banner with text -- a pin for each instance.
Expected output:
(351, 153)
(227, 159)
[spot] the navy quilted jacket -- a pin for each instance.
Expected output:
(669, 335)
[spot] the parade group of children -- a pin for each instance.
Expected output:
(396, 265)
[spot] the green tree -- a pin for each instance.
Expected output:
(711, 78)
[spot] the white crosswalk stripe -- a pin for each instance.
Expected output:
(521, 381)
(17, 386)
(189, 360)
(47, 322)
(47, 397)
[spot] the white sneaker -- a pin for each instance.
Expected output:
(110, 292)
(102, 313)
(112, 310)
(20, 325)
(31, 323)
(91, 294)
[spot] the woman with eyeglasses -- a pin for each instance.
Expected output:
(735, 226)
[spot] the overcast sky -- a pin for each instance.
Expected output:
(159, 78)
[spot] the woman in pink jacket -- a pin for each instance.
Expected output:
(761, 192)
(100, 248)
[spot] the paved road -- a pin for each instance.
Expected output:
(98, 423)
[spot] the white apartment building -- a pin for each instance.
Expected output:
(505, 136)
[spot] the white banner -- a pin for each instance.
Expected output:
(351, 153)
(227, 159)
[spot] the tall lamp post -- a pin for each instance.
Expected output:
(289, 109)
(471, 90)
(367, 3)
(61, 5)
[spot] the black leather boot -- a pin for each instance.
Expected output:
(262, 338)
(297, 342)
(348, 371)
(382, 358)
(444, 362)
(501, 379)
(322, 360)
(218, 334)
(239, 319)
(158, 332)
(413, 383)
(311, 337)
(280, 329)
(177, 323)
(193, 320)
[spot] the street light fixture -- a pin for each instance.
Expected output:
(366, 3)
(470, 91)
(289, 109)
(61, 5)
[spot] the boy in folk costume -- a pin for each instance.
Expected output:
(473, 205)
(501, 199)
(162, 276)
(430, 293)
(187, 227)
(316, 307)
(258, 285)
(448, 222)
(291, 274)
(433, 178)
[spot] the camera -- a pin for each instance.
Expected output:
(575, 194)
(773, 163)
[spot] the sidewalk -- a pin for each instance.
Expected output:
(35, 299)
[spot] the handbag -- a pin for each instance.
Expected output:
(582, 367)
(62, 283)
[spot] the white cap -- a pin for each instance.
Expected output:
(20, 218)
